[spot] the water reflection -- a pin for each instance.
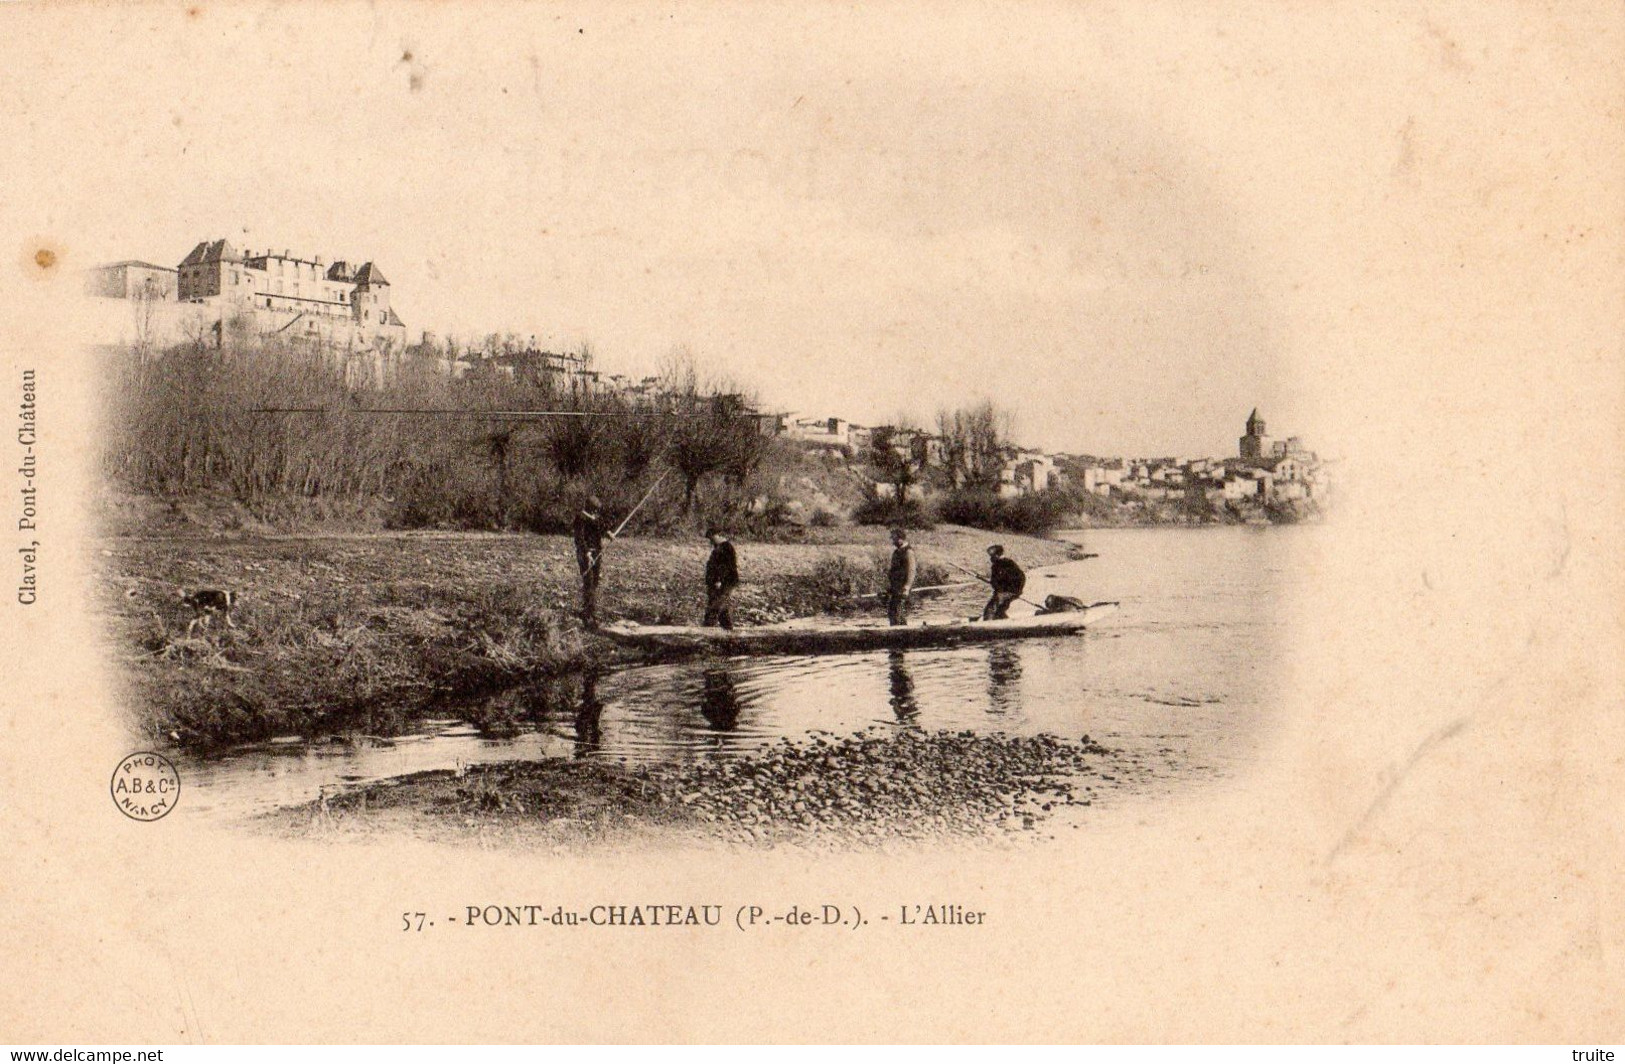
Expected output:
(589, 717)
(1186, 664)
(903, 702)
(719, 699)
(1003, 676)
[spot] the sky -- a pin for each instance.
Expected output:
(1129, 232)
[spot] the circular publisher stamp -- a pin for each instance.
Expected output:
(146, 786)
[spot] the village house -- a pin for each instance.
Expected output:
(770, 424)
(1025, 473)
(820, 431)
(1236, 486)
(547, 369)
(1099, 478)
(131, 279)
(1167, 473)
(923, 447)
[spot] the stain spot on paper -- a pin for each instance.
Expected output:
(1450, 56)
(416, 71)
(42, 258)
(1406, 160)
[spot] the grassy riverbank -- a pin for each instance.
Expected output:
(869, 789)
(361, 632)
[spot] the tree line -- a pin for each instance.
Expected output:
(218, 417)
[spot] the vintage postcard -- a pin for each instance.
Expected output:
(1088, 522)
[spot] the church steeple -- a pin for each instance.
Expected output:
(1255, 444)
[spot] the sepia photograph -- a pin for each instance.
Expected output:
(1087, 523)
(592, 518)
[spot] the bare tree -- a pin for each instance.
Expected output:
(740, 437)
(498, 447)
(144, 309)
(900, 455)
(713, 430)
(691, 450)
(974, 441)
(576, 445)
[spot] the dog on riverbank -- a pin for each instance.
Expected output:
(206, 603)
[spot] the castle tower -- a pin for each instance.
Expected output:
(1255, 444)
(206, 272)
(371, 305)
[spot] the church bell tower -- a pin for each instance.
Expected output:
(1255, 444)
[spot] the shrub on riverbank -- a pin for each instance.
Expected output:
(1035, 514)
(909, 513)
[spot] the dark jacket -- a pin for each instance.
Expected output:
(1008, 577)
(589, 536)
(722, 570)
(901, 573)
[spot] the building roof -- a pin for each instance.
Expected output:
(211, 251)
(133, 262)
(369, 274)
(391, 318)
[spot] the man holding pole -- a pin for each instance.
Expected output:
(1008, 582)
(589, 532)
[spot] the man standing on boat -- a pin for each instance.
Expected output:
(1008, 583)
(899, 577)
(589, 532)
(721, 577)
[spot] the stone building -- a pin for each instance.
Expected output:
(292, 294)
(1256, 444)
(131, 279)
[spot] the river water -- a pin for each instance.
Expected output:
(1183, 674)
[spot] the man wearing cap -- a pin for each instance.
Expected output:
(1008, 583)
(721, 577)
(899, 577)
(589, 532)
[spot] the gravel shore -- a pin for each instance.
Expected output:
(863, 790)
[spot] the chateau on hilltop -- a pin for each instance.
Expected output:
(334, 305)
(334, 300)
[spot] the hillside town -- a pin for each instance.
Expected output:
(1264, 470)
(347, 311)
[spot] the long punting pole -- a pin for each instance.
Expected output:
(985, 580)
(646, 497)
(430, 412)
